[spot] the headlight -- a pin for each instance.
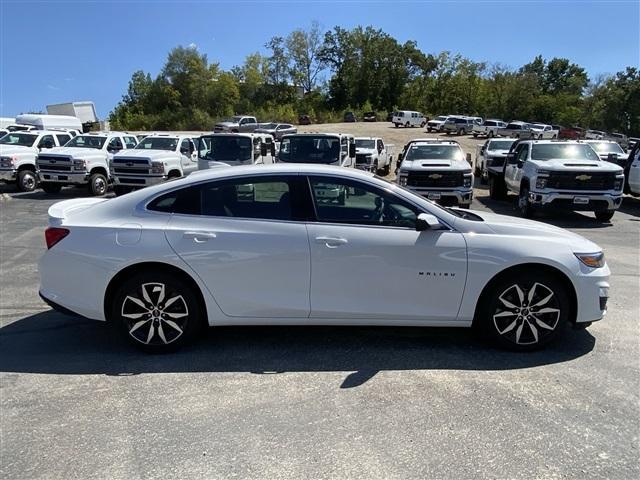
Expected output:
(79, 165)
(7, 162)
(619, 183)
(541, 179)
(157, 167)
(402, 180)
(593, 260)
(467, 180)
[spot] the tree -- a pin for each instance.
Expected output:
(303, 47)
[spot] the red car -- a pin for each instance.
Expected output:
(570, 133)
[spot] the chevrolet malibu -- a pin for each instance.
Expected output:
(165, 261)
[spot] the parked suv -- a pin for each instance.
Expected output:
(437, 170)
(18, 152)
(569, 175)
(436, 124)
(407, 118)
(458, 125)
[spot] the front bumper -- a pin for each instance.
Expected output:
(592, 293)
(63, 177)
(139, 181)
(8, 175)
(577, 201)
(365, 167)
(462, 196)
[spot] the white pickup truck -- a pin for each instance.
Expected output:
(489, 128)
(490, 157)
(84, 160)
(18, 152)
(542, 131)
(237, 124)
(568, 175)
(373, 155)
(157, 158)
(233, 149)
(437, 170)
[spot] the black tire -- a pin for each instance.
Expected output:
(27, 180)
(152, 323)
(477, 170)
(604, 215)
(524, 312)
(490, 134)
(475, 135)
(483, 178)
(497, 188)
(524, 206)
(52, 188)
(462, 132)
(422, 125)
(407, 125)
(98, 184)
(396, 125)
(428, 129)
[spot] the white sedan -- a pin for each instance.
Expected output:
(258, 245)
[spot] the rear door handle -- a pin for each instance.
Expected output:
(332, 242)
(199, 237)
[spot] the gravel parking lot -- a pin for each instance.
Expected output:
(313, 402)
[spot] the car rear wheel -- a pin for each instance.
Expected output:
(27, 181)
(49, 187)
(156, 311)
(524, 311)
(604, 215)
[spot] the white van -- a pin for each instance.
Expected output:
(407, 118)
(48, 122)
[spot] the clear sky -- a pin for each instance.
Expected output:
(59, 51)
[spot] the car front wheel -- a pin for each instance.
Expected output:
(525, 311)
(156, 311)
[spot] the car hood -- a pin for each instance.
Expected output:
(521, 227)
(436, 121)
(147, 153)
(576, 165)
(75, 152)
(227, 124)
(367, 151)
(418, 165)
(16, 150)
(497, 153)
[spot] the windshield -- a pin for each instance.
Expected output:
(158, 143)
(440, 118)
(22, 139)
(500, 144)
(87, 141)
(547, 151)
(225, 149)
(434, 152)
(364, 143)
(269, 126)
(310, 149)
(537, 126)
(605, 147)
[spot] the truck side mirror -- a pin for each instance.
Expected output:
(426, 221)
(511, 158)
(468, 158)
(263, 149)
(352, 150)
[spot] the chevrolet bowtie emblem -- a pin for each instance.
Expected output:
(583, 178)
(129, 164)
(435, 176)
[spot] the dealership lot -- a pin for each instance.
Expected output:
(316, 402)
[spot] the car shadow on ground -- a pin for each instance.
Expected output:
(65, 194)
(53, 343)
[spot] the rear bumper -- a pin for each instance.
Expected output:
(8, 175)
(63, 177)
(567, 200)
(57, 307)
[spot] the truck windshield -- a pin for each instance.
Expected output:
(310, 149)
(22, 139)
(87, 141)
(225, 148)
(440, 118)
(362, 143)
(500, 145)
(434, 152)
(158, 143)
(547, 151)
(605, 147)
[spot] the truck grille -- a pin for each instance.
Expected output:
(130, 166)
(361, 158)
(581, 180)
(436, 179)
(54, 163)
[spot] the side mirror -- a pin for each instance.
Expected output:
(511, 158)
(469, 158)
(263, 149)
(426, 221)
(352, 150)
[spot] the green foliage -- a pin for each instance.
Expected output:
(368, 70)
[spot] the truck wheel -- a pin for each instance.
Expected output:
(49, 187)
(496, 188)
(97, 184)
(376, 168)
(477, 171)
(524, 312)
(475, 135)
(490, 134)
(27, 181)
(407, 125)
(524, 206)
(396, 125)
(604, 215)
(428, 129)
(483, 178)
(462, 132)
(422, 125)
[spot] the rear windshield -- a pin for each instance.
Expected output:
(434, 152)
(22, 139)
(547, 151)
(158, 143)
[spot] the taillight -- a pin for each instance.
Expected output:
(53, 235)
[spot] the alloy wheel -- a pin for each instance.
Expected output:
(526, 317)
(155, 314)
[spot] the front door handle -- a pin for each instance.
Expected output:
(332, 242)
(199, 237)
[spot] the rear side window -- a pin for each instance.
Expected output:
(62, 139)
(130, 142)
(185, 201)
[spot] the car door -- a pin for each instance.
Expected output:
(243, 237)
(188, 158)
(368, 260)
(383, 159)
(513, 170)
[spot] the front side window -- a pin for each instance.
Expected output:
(62, 139)
(560, 151)
(115, 143)
(523, 150)
(21, 139)
(87, 141)
(158, 143)
(130, 142)
(46, 142)
(339, 200)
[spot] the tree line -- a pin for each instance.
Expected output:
(364, 69)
